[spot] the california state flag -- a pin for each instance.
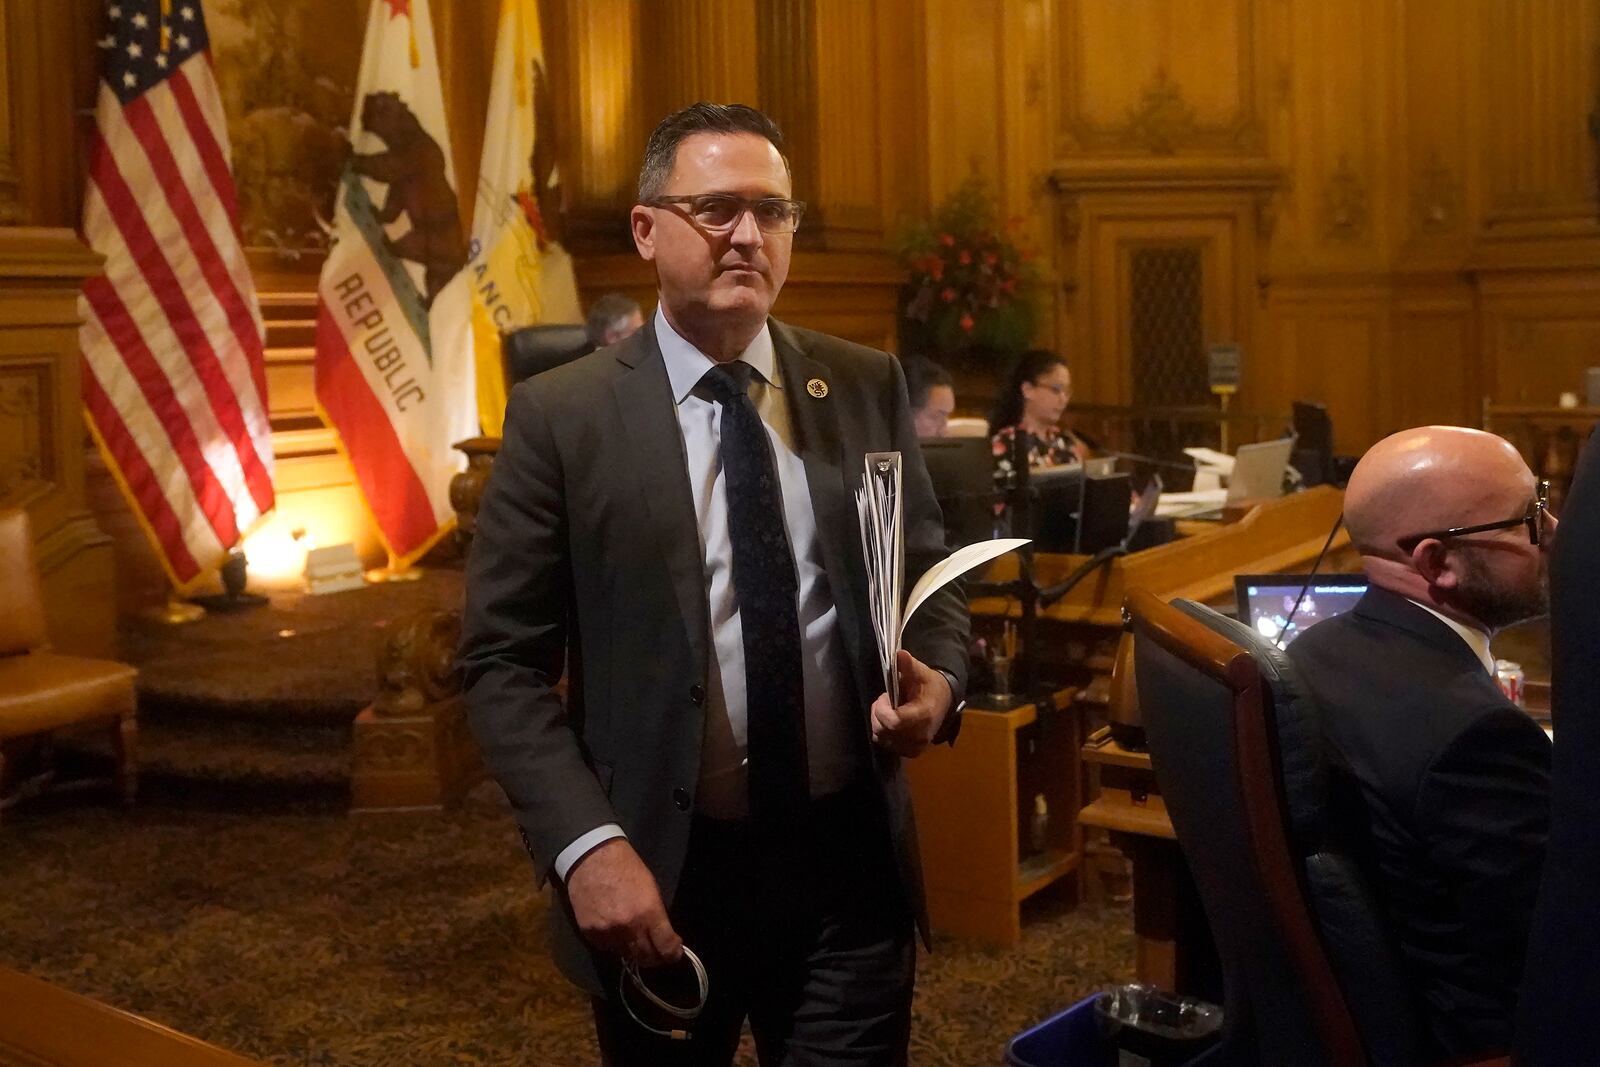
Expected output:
(520, 274)
(394, 346)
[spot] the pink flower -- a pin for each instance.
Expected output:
(966, 323)
(948, 296)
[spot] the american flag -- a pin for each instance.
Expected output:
(173, 376)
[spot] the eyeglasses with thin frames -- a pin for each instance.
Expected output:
(1535, 518)
(721, 212)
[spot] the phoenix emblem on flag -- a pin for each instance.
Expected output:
(412, 165)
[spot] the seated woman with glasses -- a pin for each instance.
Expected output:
(1032, 400)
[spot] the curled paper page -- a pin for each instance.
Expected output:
(879, 505)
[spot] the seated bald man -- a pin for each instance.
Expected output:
(1442, 783)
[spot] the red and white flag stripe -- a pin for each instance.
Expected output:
(174, 376)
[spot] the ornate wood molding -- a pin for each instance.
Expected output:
(1162, 123)
(1345, 212)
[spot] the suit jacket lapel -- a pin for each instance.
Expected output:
(832, 488)
(646, 410)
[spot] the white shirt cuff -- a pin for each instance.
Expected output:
(583, 846)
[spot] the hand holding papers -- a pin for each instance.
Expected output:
(881, 510)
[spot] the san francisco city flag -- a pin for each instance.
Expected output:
(520, 274)
(394, 346)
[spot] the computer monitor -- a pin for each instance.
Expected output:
(1055, 508)
(1313, 447)
(1265, 601)
(1258, 470)
(1103, 519)
(962, 472)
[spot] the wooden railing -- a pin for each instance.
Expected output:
(42, 1025)
(1548, 438)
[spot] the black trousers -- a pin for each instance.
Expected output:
(808, 937)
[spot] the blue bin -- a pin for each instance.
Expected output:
(1073, 1039)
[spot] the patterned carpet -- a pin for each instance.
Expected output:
(314, 939)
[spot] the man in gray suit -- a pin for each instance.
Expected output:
(671, 520)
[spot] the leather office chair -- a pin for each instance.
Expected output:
(535, 349)
(43, 691)
(1310, 977)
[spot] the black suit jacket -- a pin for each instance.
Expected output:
(1443, 795)
(1556, 1018)
(588, 553)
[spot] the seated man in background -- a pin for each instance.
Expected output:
(933, 395)
(1442, 784)
(612, 318)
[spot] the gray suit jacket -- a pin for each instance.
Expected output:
(587, 556)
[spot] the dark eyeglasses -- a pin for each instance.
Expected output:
(720, 212)
(1534, 518)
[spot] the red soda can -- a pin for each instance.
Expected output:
(1510, 678)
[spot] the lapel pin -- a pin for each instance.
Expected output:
(817, 388)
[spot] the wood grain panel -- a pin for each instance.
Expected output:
(1437, 379)
(1328, 344)
(1539, 77)
(1158, 79)
(1541, 332)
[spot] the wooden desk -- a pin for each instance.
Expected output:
(969, 800)
(1077, 636)
(1173, 948)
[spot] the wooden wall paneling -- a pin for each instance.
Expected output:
(597, 68)
(900, 60)
(700, 50)
(1540, 79)
(1434, 355)
(849, 164)
(965, 110)
(1540, 332)
(1436, 190)
(1328, 342)
(53, 66)
(41, 431)
(1332, 120)
(1177, 78)
(466, 33)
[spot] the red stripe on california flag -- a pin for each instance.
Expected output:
(396, 495)
(146, 489)
(168, 175)
(164, 286)
(124, 334)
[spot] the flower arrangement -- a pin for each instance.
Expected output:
(971, 287)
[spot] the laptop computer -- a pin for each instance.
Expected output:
(1265, 601)
(1258, 470)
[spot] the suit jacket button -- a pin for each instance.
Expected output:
(697, 693)
(680, 799)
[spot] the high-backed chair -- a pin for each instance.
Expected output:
(535, 349)
(1310, 977)
(43, 691)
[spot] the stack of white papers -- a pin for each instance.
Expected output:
(1177, 505)
(881, 510)
(1210, 461)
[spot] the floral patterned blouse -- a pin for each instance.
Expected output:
(1061, 448)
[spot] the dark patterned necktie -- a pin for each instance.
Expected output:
(765, 584)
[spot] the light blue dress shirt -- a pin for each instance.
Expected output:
(722, 791)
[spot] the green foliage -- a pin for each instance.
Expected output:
(971, 287)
